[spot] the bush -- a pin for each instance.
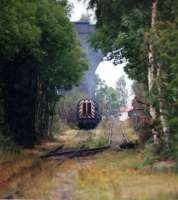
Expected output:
(7, 144)
(150, 153)
(98, 141)
(59, 126)
(67, 106)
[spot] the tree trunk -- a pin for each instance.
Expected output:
(162, 111)
(153, 73)
(151, 57)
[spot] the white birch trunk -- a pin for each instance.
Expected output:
(151, 79)
(166, 131)
(151, 57)
(153, 73)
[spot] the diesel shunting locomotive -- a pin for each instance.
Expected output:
(88, 114)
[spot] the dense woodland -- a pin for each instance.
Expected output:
(146, 35)
(43, 154)
(39, 57)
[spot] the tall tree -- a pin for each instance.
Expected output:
(139, 29)
(122, 91)
(39, 55)
(107, 97)
(152, 68)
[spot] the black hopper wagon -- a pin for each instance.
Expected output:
(88, 114)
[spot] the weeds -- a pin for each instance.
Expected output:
(122, 176)
(97, 141)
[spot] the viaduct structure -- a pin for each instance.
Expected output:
(83, 30)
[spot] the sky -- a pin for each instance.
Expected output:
(106, 70)
(111, 73)
(79, 8)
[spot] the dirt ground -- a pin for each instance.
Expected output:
(111, 175)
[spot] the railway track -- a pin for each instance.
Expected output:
(63, 154)
(125, 142)
(72, 153)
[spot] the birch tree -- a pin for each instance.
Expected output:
(152, 68)
(154, 73)
(133, 27)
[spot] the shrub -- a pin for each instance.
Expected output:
(7, 144)
(98, 141)
(150, 152)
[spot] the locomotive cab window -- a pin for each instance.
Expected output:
(89, 108)
(84, 109)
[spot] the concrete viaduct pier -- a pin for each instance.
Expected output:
(83, 30)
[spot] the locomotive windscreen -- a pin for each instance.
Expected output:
(84, 109)
(89, 109)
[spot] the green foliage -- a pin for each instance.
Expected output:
(167, 48)
(67, 106)
(122, 91)
(106, 96)
(150, 153)
(126, 25)
(97, 141)
(111, 99)
(40, 55)
(121, 25)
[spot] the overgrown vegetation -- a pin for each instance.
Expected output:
(67, 106)
(122, 176)
(40, 57)
(109, 175)
(145, 34)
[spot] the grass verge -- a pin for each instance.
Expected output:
(120, 176)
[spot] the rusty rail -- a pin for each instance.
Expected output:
(71, 153)
(79, 152)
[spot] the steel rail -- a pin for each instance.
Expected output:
(79, 152)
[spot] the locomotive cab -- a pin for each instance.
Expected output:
(87, 114)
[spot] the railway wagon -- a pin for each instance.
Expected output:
(88, 114)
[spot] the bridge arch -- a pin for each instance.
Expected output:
(83, 30)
